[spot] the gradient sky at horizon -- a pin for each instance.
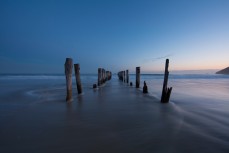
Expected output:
(36, 36)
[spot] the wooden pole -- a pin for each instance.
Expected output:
(145, 88)
(107, 74)
(104, 72)
(165, 96)
(166, 74)
(99, 76)
(101, 79)
(68, 73)
(124, 76)
(127, 76)
(137, 77)
(104, 76)
(77, 75)
(120, 75)
(110, 75)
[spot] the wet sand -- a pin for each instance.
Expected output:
(114, 118)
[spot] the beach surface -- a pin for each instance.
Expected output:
(115, 118)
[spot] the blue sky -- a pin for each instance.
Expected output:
(37, 36)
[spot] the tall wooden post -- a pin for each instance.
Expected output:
(110, 75)
(99, 76)
(145, 88)
(127, 76)
(124, 76)
(68, 73)
(120, 75)
(103, 74)
(77, 75)
(107, 75)
(165, 96)
(137, 77)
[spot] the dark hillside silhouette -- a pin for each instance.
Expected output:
(223, 71)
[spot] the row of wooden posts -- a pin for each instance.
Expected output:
(166, 91)
(103, 76)
(124, 76)
(68, 73)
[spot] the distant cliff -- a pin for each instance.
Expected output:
(224, 71)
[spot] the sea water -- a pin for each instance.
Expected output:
(199, 106)
(213, 86)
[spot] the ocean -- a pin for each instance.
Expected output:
(213, 86)
(195, 119)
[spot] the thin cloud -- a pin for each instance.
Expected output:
(161, 57)
(157, 58)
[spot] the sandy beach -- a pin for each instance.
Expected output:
(114, 118)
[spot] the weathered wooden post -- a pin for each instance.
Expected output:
(145, 88)
(99, 76)
(77, 75)
(105, 76)
(102, 76)
(165, 90)
(104, 73)
(120, 75)
(127, 76)
(124, 76)
(68, 73)
(101, 79)
(137, 77)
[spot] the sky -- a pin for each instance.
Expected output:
(37, 36)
